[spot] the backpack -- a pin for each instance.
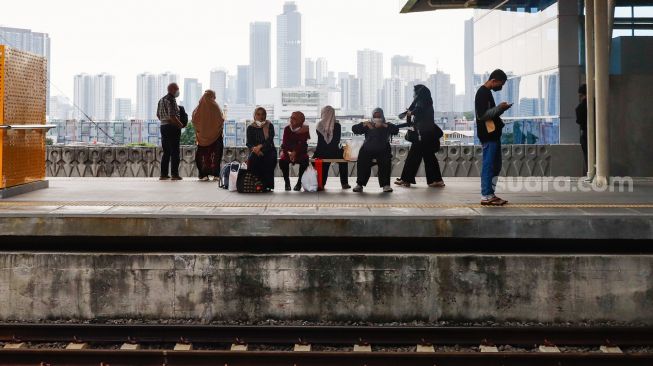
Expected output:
(224, 173)
(183, 116)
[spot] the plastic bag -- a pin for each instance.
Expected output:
(352, 148)
(309, 179)
(233, 179)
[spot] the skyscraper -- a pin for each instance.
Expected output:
(259, 56)
(289, 47)
(393, 97)
(218, 84)
(192, 94)
(93, 97)
(26, 40)
(404, 68)
(123, 109)
(321, 71)
(104, 85)
(470, 88)
(309, 66)
(350, 93)
(151, 88)
(370, 73)
(244, 88)
(442, 92)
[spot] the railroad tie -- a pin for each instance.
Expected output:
(611, 349)
(19, 345)
(77, 345)
(130, 346)
(302, 347)
(425, 348)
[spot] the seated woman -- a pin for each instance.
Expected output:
(328, 145)
(208, 122)
(263, 154)
(376, 146)
(294, 148)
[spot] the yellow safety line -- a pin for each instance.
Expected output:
(311, 204)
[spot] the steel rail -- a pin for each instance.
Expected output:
(274, 358)
(375, 335)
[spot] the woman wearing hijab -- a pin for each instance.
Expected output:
(328, 145)
(294, 148)
(421, 111)
(208, 122)
(376, 146)
(262, 159)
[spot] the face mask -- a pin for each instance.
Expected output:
(176, 94)
(377, 120)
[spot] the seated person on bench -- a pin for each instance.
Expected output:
(328, 145)
(294, 148)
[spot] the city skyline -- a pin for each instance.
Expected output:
(126, 53)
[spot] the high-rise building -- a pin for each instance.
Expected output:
(26, 40)
(244, 87)
(151, 88)
(403, 67)
(104, 85)
(123, 109)
(321, 71)
(289, 47)
(192, 94)
(60, 108)
(350, 93)
(470, 87)
(309, 78)
(93, 97)
(259, 56)
(393, 97)
(218, 84)
(232, 89)
(442, 91)
(370, 73)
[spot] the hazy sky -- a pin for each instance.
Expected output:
(190, 38)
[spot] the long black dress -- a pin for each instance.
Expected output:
(331, 150)
(429, 144)
(262, 166)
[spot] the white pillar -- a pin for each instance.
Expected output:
(589, 70)
(602, 72)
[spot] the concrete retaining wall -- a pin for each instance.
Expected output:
(338, 287)
(455, 161)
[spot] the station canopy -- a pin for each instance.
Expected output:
(413, 6)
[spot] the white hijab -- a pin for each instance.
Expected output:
(327, 123)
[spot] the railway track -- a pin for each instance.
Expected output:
(198, 345)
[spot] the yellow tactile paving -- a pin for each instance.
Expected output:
(312, 204)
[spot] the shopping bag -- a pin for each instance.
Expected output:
(233, 178)
(352, 148)
(320, 177)
(309, 179)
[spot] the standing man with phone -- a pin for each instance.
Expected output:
(489, 128)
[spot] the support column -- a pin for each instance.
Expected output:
(589, 71)
(602, 76)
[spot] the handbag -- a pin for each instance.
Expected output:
(413, 136)
(320, 173)
(351, 148)
(183, 116)
(248, 182)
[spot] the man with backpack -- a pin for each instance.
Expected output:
(168, 113)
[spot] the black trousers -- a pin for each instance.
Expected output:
(364, 166)
(284, 165)
(170, 139)
(583, 145)
(423, 150)
(343, 169)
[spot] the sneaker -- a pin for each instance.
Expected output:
(298, 187)
(400, 182)
(176, 177)
(346, 186)
(204, 179)
(164, 177)
(387, 189)
(358, 188)
(493, 201)
(439, 184)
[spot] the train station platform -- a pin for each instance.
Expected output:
(147, 208)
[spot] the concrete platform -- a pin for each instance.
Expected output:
(147, 208)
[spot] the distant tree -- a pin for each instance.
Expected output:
(469, 115)
(188, 135)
